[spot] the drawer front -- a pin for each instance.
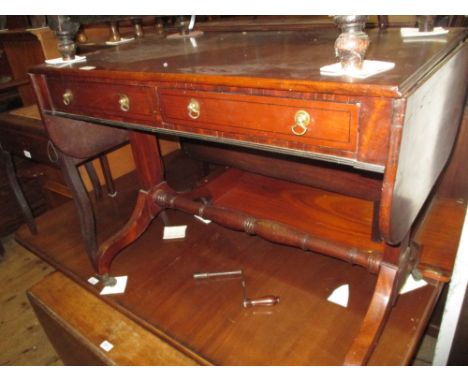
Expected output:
(107, 100)
(315, 123)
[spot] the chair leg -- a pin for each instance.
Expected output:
(108, 176)
(83, 204)
(13, 180)
(94, 179)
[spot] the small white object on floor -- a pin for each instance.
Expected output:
(412, 284)
(369, 68)
(174, 232)
(192, 34)
(106, 345)
(340, 296)
(119, 286)
(93, 280)
(123, 40)
(206, 221)
(61, 61)
(414, 32)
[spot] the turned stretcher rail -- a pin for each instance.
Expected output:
(269, 230)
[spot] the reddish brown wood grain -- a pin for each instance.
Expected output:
(332, 124)
(329, 177)
(205, 319)
(143, 214)
(269, 230)
(246, 99)
(374, 320)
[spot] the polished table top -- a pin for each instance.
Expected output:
(282, 59)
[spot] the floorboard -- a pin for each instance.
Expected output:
(22, 340)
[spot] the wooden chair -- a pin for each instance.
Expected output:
(22, 132)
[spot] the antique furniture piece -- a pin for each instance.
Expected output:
(294, 139)
(22, 132)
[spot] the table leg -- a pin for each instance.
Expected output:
(389, 280)
(375, 318)
(83, 204)
(150, 172)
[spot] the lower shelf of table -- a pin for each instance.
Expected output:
(205, 320)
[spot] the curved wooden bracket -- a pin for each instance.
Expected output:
(143, 213)
(375, 317)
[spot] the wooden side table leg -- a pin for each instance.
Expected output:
(13, 180)
(143, 214)
(83, 204)
(150, 172)
(376, 316)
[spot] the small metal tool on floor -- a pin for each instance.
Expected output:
(269, 300)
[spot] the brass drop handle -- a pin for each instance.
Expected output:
(302, 120)
(193, 108)
(124, 102)
(67, 97)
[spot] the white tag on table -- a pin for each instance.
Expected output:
(340, 296)
(106, 345)
(369, 68)
(123, 40)
(61, 61)
(206, 221)
(93, 280)
(174, 232)
(412, 284)
(119, 287)
(414, 32)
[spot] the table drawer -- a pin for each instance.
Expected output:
(107, 100)
(316, 123)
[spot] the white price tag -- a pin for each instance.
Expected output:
(412, 284)
(119, 287)
(106, 345)
(27, 154)
(340, 296)
(93, 280)
(174, 232)
(206, 221)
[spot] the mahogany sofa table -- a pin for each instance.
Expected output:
(378, 145)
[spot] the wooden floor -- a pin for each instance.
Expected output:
(22, 340)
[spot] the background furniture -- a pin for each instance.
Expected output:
(22, 132)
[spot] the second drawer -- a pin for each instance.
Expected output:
(315, 123)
